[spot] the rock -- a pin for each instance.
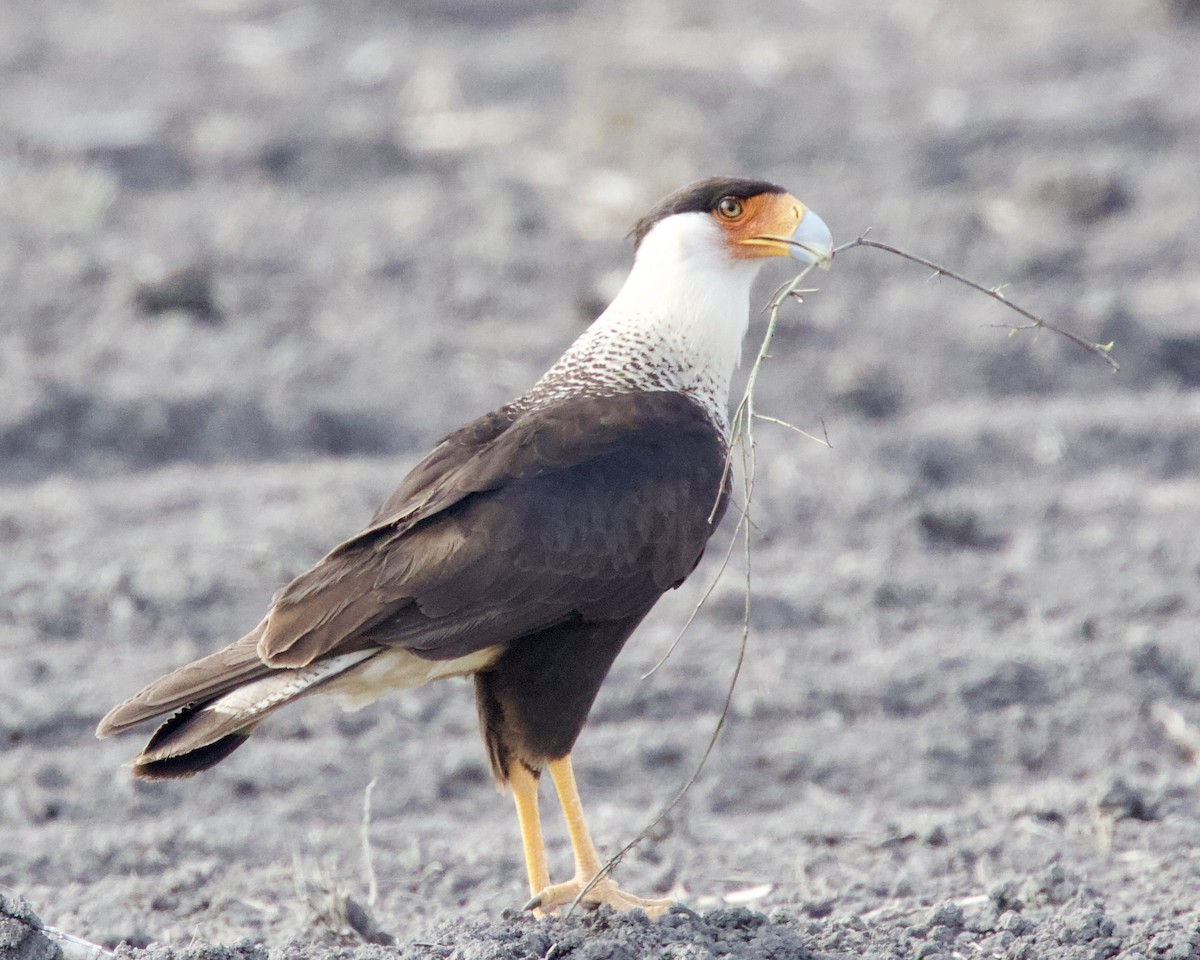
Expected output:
(188, 288)
(21, 933)
(958, 528)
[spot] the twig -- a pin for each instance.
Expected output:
(1176, 729)
(662, 814)
(695, 610)
(75, 948)
(616, 858)
(743, 416)
(742, 433)
(1102, 350)
(782, 293)
(17, 910)
(368, 859)
(823, 440)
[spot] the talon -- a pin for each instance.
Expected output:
(533, 903)
(603, 893)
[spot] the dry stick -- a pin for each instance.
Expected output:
(743, 417)
(695, 610)
(742, 432)
(73, 948)
(781, 294)
(1102, 350)
(822, 440)
(610, 865)
(368, 859)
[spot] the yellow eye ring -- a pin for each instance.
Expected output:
(730, 207)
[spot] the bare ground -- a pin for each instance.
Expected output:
(257, 256)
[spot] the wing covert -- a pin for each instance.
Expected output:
(590, 508)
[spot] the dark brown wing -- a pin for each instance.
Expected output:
(419, 491)
(592, 506)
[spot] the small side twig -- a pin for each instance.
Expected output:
(1102, 350)
(1176, 729)
(368, 858)
(823, 440)
(75, 948)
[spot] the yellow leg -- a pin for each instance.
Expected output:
(587, 861)
(525, 794)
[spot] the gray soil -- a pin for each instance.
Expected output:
(257, 256)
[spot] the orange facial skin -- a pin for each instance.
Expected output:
(762, 226)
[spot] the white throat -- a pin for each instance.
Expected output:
(677, 323)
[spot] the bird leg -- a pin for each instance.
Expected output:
(524, 785)
(587, 862)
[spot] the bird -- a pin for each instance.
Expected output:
(528, 545)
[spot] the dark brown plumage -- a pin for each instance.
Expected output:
(530, 543)
(562, 523)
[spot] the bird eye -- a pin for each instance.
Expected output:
(729, 207)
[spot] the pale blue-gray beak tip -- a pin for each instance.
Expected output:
(811, 242)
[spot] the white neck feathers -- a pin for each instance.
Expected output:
(677, 323)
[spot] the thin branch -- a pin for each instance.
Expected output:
(791, 288)
(368, 859)
(616, 858)
(73, 948)
(742, 433)
(823, 440)
(696, 609)
(1102, 350)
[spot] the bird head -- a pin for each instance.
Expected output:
(678, 321)
(745, 220)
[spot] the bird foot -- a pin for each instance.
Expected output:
(603, 891)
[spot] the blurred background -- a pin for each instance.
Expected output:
(262, 230)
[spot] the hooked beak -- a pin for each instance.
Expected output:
(789, 229)
(811, 242)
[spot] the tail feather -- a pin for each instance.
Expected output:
(198, 682)
(190, 763)
(217, 701)
(207, 728)
(203, 724)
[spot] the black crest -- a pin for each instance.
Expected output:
(701, 197)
